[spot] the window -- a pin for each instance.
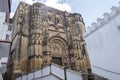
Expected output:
(48, 18)
(9, 28)
(7, 36)
(57, 60)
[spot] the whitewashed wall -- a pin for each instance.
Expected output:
(53, 72)
(1, 77)
(104, 47)
(2, 20)
(4, 27)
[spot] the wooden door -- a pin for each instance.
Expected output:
(57, 60)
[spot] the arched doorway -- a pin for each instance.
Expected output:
(58, 49)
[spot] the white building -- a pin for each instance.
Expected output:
(103, 42)
(5, 27)
(5, 34)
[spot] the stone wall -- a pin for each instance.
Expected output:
(43, 35)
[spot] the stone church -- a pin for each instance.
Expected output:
(43, 35)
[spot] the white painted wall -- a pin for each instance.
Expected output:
(1, 77)
(53, 72)
(2, 67)
(4, 6)
(2, 20)
(4, 27)
(104, 48)
(4, 47)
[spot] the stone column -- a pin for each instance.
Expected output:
(35, 45)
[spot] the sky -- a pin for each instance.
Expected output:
(89, 9)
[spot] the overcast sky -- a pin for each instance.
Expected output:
(89, 9)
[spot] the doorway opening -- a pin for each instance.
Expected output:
(57, 60)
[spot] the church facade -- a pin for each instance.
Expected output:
(43, 35)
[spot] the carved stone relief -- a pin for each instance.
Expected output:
(52, 36)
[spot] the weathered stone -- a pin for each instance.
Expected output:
(46, 35)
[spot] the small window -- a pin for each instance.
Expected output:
(9, 28)
(7, 36)
(48, 18)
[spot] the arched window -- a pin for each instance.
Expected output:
(7, 36)
(9, 28)
(48, 18)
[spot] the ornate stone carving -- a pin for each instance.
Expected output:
(42, 43)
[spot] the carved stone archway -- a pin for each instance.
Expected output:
(58, 49)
